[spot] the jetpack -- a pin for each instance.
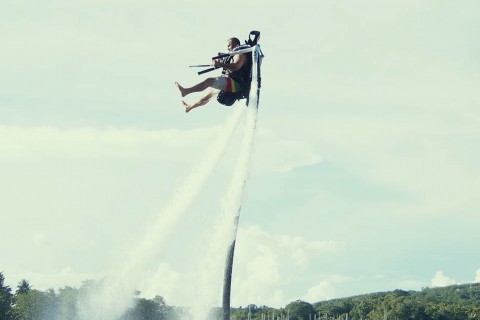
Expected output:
(254, 55)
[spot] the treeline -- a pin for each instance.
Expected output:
(458, 302)
(26, 303)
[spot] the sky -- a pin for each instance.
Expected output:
(365, 172)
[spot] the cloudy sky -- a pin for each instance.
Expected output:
(366, 168)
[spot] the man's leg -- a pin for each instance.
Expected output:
(203, 100)
(196, 88)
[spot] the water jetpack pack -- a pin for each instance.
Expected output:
(252, 69)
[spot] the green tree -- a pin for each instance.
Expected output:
(67, 303)
(473, 313)
(402, 307)
(337, 307)
(362, 309)
(35, 305)
(23, 287)
(6, 299)
(160, 301)
(146, 309)
(300, 310)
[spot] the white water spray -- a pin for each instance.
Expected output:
(116, 292)
(225, 225)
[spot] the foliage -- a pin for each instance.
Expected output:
(145, 309)
(458, 302)
(67, 303)
(23, 287)
(6, 299)
(299, 310)
(448, 303)
(255, 311)
(30, 304)
(35, 305)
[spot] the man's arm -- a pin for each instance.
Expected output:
(238, 61)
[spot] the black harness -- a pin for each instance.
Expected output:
(243, 76)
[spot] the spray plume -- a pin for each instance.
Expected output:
(225, 225)
(116, 292)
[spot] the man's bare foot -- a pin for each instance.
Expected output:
(182, 90)
(187, 106)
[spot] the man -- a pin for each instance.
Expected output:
(231, 80)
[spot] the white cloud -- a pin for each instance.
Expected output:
(325, 290)
(477, 276)
(411, 284)
(167, 282)
(441, 280)
(92, 143)
(60, 278)
(430, 161)
(266, 264)
(46, 142)
(275, 154)
(39, 239)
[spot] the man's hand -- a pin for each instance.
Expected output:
(216, 63)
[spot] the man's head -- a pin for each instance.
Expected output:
(232, 43)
